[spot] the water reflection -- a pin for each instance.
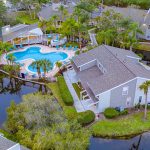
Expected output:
(141, 142)
(13, 89)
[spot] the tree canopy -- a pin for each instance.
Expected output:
(39, 123)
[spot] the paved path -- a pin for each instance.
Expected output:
(93, 39)
(79, 107)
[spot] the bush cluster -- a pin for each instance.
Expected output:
(65, 93)
(112, 113)
(85, 118)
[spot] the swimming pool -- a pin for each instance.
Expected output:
(35, 54)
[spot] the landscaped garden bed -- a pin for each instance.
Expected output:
(84, 118)
(125, 127)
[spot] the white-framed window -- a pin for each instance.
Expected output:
(125, 90)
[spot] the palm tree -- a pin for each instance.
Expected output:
(37, 65)
(11, 58)
(54, 19)
(63, 12)
(59, 64)
(6, 47)
(46, 65)
(43, 25)
(145, 87)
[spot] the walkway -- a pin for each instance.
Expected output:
(79, 107)
(93, 38)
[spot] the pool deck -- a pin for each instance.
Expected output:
(44, 49)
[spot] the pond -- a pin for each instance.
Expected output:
(141, 142)
(14, 90)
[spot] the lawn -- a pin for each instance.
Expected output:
(123, 128)
(77, 89)
(84, 118)
(55, 90)
(8, 135)
(24, 17)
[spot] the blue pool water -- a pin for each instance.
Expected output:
(34, 53)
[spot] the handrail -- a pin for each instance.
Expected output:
(34, 82)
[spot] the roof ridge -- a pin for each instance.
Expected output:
(119, 60)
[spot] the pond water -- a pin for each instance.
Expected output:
(14, 90)
(141, 142)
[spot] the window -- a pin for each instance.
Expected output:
(125, 90)
(128, 102)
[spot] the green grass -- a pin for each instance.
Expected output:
(144, 47)
(24, 17)
(8, 135)
(55, 90)
(77, 89)
(125, 127)
(70, 112)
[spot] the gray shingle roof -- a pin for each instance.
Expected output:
(133, 13)
(17, 32)
(119, 64)
(47, 12)
(5, 143)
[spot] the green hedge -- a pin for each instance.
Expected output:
(111, 113)
(65, 93)
(85, 118)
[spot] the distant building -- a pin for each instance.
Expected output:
(6, 144)
(142, 17)
(22, 34)
(110, 77)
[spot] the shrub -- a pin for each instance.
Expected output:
(85, 118)
(77, 52)
(65, 93)
(124, 112)
(110, 113)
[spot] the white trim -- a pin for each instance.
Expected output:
(14, 146)
(123, 84)
(86, 63)
(142, 78)
(118, 86)
(133, 57)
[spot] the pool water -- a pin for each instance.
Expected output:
(34, 53)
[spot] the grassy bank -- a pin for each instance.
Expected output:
(8, 135)
(121, 128)
(84, 118)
